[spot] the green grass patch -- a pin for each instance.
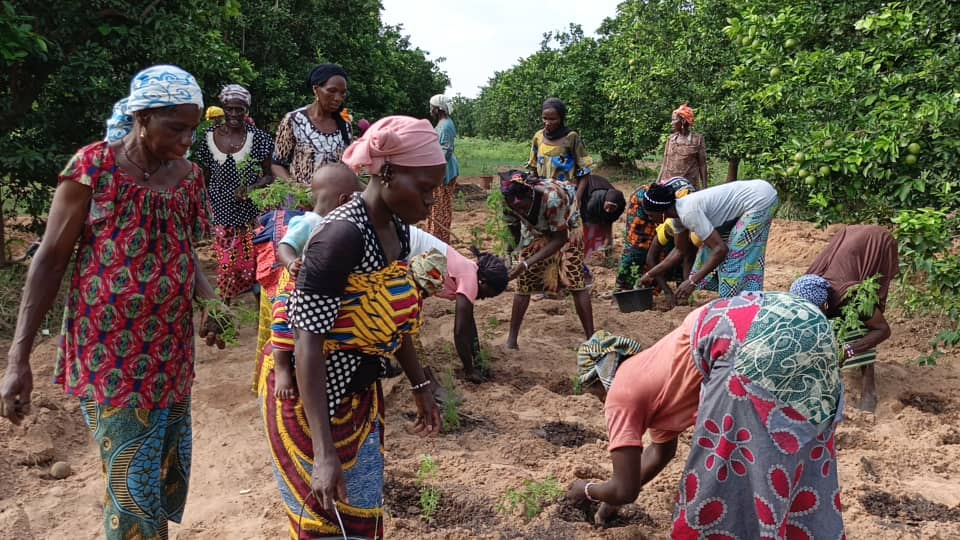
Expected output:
(483, 157)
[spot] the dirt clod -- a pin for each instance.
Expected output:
(626, 515)
(925, 402)
(60, 470)
(567, 435)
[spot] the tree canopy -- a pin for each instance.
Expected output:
(62, 68)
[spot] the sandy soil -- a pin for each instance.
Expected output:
(899, 468)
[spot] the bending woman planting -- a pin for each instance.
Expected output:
(544, 221)
(728, 267)
(328, 445)
(441, 271)
(762, 462)
(855, 254)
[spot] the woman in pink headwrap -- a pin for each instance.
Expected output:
(686, 152)
(355, 303)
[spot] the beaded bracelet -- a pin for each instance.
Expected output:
(586, 492)
(848, 350)
(420, 386)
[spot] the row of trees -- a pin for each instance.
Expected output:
(851, 108)
(62, 67)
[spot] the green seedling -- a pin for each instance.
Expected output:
(531, 498)
(450, 413)
(220, 317)
(281, 194)
(860, 302)
(429, 494)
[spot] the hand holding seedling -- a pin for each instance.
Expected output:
(217, 326)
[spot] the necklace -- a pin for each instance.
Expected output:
(233, 146)
(146, 174)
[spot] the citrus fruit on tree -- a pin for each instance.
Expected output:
(803, 173)
(775, 73)
(914, 148)
(746, 41)
(911, 159)
(799, 157)
(810, 180)
(824, 171)
(828, 144)
(791, 43)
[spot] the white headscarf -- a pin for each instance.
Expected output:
(152, 88)
(442, 102)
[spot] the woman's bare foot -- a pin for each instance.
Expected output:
(286, 387)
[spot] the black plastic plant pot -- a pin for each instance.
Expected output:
(635, 300)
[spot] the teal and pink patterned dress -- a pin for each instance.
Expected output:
(762, 460)
(127, 338)
(126, 348)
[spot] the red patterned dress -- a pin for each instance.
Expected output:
(127, 338)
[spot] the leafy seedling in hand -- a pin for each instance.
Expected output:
(220, 320)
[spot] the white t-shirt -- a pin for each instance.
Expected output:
(421, 242)
(461, 275)
(703, 211)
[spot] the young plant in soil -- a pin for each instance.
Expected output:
(577, 385)
(450, 413)
(460, 202)
(429, 494)
(476, 237)
(531, 498)
(482, 361)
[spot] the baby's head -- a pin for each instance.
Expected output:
(332, 185)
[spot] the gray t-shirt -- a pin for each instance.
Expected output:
(704, 211)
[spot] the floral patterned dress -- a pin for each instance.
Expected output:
(762, 461)
(127, 338)
(557, 212)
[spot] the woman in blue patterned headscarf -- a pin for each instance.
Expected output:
(128, 211)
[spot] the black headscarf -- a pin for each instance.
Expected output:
(318, 77)
(561, 108)
(658, 198)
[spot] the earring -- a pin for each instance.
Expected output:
(143, 131)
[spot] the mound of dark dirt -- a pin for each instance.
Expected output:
(907, 509)
(567, 435)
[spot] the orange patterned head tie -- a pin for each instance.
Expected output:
(684, 111)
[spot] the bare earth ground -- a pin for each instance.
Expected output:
(900, 468)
